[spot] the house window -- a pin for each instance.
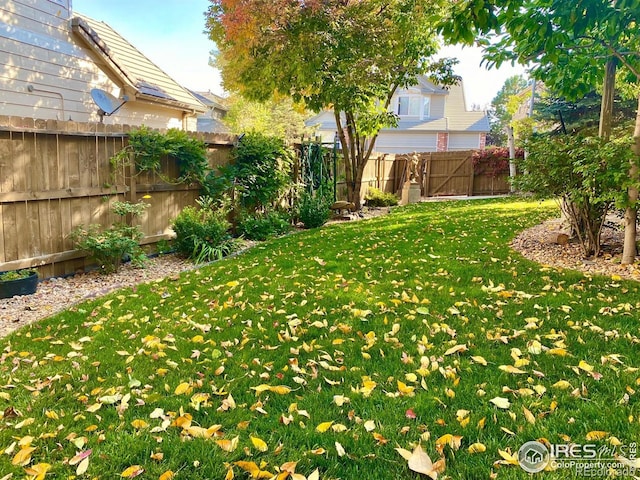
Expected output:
(413, 106)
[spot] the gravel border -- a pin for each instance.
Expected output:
(57, 294)
(534, 244)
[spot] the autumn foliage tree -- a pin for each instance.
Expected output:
(346, 55)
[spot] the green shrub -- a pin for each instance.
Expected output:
(313, 211)
(260, 172)
(202, 233)
(110, 247)
(378, 198)
(261, 226)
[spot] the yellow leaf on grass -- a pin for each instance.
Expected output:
(280, 389)
(254, 470)
(369, 425)
(82, 467)
(511, 369)
(585, 366)
(528, 415)
(139, 424)
(508, 458)
(168, 475)
(596, 435)
(23, 457)
(132, 471)
(228, 445)
(404, 389)
(39, 470)
(477, 448)
(259, 444)
(562, 385)
(315, 475)
(456, 349)
(323, 427)
(501, 402)
(181, 389)
(480, 360)
(453, 441)
(560, 352)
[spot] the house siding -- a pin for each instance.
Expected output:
(46, 73)
(464, 141)
(398, 142)
(449, 125)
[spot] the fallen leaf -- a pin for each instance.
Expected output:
(132, 471)
(259, 444)
(420, 462)
(501, 402)
(477, 448)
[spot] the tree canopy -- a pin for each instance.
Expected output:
(565, 43)
(346, 55)
(500, 116)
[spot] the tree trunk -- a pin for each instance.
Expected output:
(512, 155)
(608, 94)
(631, 213)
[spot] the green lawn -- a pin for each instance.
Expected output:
(400, 330)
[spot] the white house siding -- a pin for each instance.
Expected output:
(392, 142)
(464, 141)
(38, 52)
(437, 106)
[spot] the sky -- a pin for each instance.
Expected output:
(170, 33)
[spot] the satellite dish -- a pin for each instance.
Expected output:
(107, 103)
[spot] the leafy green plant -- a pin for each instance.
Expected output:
(148, 147)
(587, 175)
(313, 210)
(260, 171)
(202, 232)
(377, 198)
(16, 274)
(110, 247)
(260, 226)
(164, 246)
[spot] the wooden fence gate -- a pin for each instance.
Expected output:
(448, 174)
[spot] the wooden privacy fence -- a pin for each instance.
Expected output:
(55, 176)
(438, 173)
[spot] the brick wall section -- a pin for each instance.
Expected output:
(483, 141)
(443, 142)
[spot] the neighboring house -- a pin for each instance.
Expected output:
(213, 120)
(51, 59)
(431, 119)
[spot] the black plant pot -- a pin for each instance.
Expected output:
(21, 286)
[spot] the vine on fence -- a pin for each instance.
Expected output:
(147, 148)
(493, 162)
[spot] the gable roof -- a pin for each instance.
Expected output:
(211, 100)
(135, 71)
